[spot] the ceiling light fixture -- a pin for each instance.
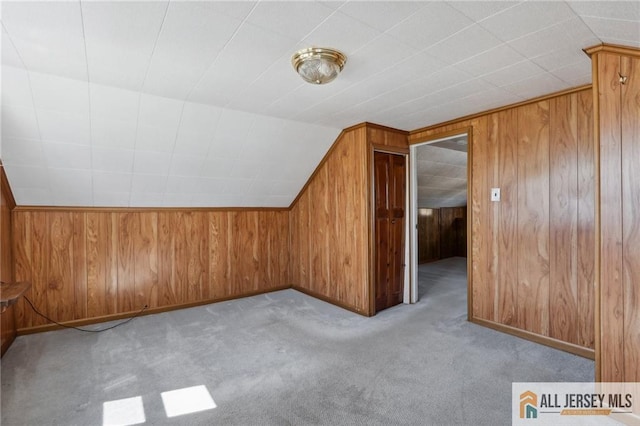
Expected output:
(318, 65)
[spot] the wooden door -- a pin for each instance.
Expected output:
(390, 189)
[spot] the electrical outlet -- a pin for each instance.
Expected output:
(495, 194)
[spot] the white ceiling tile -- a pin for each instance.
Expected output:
(159, 111)
(214, 186)
(245, 169)
(56, 126)
(111, 199)
(186, 165)
(26, 152)
(622, 10)
(19, 122)
(111, 182)
(146, 199)
(67, 156)
(216, 167)
(237, 186)
(60, 94)
(32, 196)
(16, 89)
(112, 159)
(10, 56)
(234, 69)
(151, 138)
(183, 184)
(146, 183)
(73, 198)
(512, 74)
(341, 32)
(464, 44)
(558, 58)
(290, 19)
(180, 199)
(192, 143)
(113, 103)
(27, 176)
(609, 29)
(200, 118)
(48, 36)
(479, 10)
(152, 162)
(193, 34)
(233, 8)
(536, 86)
(113, 133)
(381, 15)
(429, 25)
(368, 61)
(70, 180)
(525, 18)
(575, 74)
(486, 62)
(120, 37)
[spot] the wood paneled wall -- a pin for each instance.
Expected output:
(453, 232)
(618, 109)
(329, 226)
(442, 233)
(88, 264)
(331, 230)
(7, 319)
(533, 253)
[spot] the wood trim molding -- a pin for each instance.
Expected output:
(453, 132)
(537, 338)
(385, 128)
(329, 300)
(4, 184)
(145, 209)
(125, 315)
(596, 177)
(390, 149)
(502, 108)
(612, 48)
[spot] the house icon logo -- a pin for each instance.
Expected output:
(528, 405)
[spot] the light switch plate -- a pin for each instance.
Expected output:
(495, 194)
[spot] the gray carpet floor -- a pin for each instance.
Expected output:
(286, 358)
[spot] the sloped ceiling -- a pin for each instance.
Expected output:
(196, 104)
(442, 173)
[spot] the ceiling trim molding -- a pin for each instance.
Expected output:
(612, 48)
(463, 130)
(145, 209)
(415, 132)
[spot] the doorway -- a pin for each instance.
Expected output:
(390, 226)
(441, 203)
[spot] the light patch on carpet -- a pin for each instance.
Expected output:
(123, 412)
(187, 400)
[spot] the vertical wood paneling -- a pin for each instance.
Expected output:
(41, 252)
(7, 319)
(612, 292)
(533, 218)
(333, 208)
(88, 264)
(428, 235)
(563, 207)
(630, 146)
(219, 255)
(507, 275)
(22, 255)
(98, 264)
(145, 260)
(586, 221)
(79, 265)
(484, 287)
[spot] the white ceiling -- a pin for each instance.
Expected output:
(442, 173)
(196, 104)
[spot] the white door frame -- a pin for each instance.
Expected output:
(412, 296)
